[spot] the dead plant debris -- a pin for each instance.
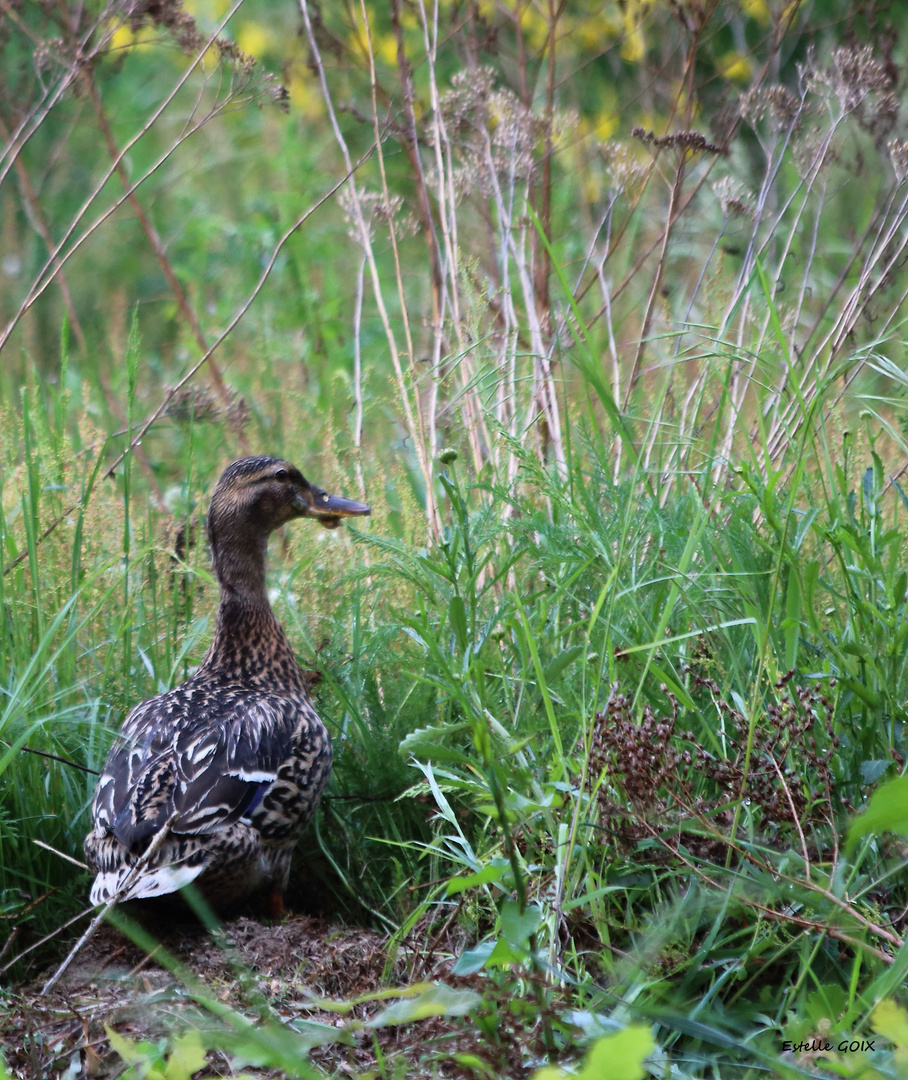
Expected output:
(291, 966)
(649, 775)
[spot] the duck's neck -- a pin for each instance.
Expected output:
(249, 646)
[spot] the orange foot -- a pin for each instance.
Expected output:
(276, 909)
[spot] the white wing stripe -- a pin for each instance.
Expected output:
(253, 776)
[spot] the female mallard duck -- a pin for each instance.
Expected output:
(230, 765)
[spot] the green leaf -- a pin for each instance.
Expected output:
(430, 743)
(457, 613)
(504, 956)
(899, 589)
(855, 648)
(620, 1056)
(187, 1056)
(350, 1004)
(613, 1057)
(495, 870)
(418, 638)
(438, 1000)
(517, 926)
(792, 624)
(890, 1020)
(860, 690)
(811, 578)
(561, 662)
(473, 960)
(664, 675)
(887, 811)
(495, 952)
(317, 1034)
(521, 804)
(826, 1003)
(471, 1061)
(132, 1052)
(872, 771)
(589, 897)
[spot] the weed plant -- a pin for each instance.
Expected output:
(601, 308)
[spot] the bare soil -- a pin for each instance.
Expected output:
(286, 967)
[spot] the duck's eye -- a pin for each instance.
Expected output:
(281, 474)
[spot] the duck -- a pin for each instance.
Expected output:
(212, 782)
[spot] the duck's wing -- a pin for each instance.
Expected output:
(210, 770)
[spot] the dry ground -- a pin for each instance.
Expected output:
(114, 983)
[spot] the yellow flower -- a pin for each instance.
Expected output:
(206, 9)
(596, 32)
(634, 45)
(757, 9)
(385, 48)
(735, 66)
(123, 39)
(591, 185)
(253, 39)
(605, 124)
(535, 28)
(305, 96)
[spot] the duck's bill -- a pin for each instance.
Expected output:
(330, 510)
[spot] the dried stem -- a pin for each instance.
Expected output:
(160, 253)
(414, 423)
(136, 439)
(153, 848)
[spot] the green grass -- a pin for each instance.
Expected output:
(621, 654)
(470, 675)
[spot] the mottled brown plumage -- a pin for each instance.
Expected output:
(235, 758)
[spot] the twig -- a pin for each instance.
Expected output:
(57, 258)
(13, 934)
(36, 117)
(886, 935)
(154, 241)
(62, 854)
(781, 916)
(794, 816)
(162, 408)
(117, 412)
(128, 882)
(62, 760)
(32, 208)
(44, 940)
(671, 218)
(17, 915)
(146, 959)
(365, 241)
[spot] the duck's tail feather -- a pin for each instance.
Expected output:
(149, 883)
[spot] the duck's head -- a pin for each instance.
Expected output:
(256, 495)
(266, 492)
